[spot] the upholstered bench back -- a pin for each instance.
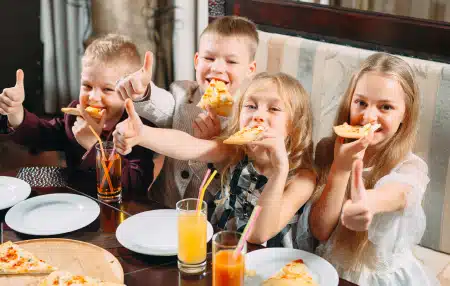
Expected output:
(325, 69)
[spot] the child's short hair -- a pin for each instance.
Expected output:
(235, 26)
(114, 48)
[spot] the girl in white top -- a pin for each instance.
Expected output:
(368, 226)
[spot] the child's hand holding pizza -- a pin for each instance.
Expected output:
(207, 126)
(346, 153)
(275, 148)
(80, 128)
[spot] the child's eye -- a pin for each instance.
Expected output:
(232, 62)
(209, 59)
(386, 107)
(87, 86)
(275, 109)
(360, 103)
(250, 106)
(108, 90)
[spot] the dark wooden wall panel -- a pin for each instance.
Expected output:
(403, 35)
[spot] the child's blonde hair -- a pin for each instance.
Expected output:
(391, 152)
(116, 49)
(299, 145)
(235, 26)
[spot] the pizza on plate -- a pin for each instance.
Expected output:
(16, 260)
(218, 98)
(294, 273)
(64, 278)
(354, 132)
(245, 135)
(94, 112)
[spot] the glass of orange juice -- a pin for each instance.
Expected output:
(191, 236)
(227, 269)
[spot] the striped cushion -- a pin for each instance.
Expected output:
(325, 69)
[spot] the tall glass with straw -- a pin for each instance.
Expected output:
(192, 232)
(229, 250)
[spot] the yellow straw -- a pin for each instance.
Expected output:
(99, 142)
(202, 192)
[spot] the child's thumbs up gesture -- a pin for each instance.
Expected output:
(127, 133)
(11, 100)
(356, 213)
(134, 85)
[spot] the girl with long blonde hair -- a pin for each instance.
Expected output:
(274, 172)
(368, 219)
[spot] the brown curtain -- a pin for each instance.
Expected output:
(148, 22)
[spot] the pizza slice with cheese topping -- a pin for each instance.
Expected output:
(294, 273)
(15, 260)
(218, 98)
(245, 135)
(354, 132)
(64, 278)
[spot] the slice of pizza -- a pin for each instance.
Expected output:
(218, 98)
(245, 135)
(354, 132)
(64, 278)
(293, 273)
(94, 112)
(16, 260)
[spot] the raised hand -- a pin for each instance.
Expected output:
(11, 100)
(275, 148)
(127, 133)
(80, 128)
(356, 213)
(207, 126)
(134, 85)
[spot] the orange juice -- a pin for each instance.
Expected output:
(191, 237)
(228, 271)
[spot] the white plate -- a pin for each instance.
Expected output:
(12, 191)
(52, 214)
(153, 233)
(268, 261)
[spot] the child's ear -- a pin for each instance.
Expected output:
(252, 67)
(195, 60)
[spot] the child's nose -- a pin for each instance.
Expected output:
(218, 66)
(95, 95)
(370, 115)
(258, 119)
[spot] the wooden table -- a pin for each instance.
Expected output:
(139, 269)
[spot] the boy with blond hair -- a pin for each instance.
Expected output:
(227, 53)
(105, 61)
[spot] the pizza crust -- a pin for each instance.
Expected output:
(218, 98)
(354, 132)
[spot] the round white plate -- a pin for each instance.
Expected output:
(12, 191)
(153, 232)
(52, 214)
(268, 261)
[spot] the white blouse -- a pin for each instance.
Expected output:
(392, 235)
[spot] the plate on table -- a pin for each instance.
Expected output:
(77, 257)
(52, 214)
(268, 261)
(12, 191)
(153, 232)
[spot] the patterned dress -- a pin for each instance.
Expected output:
(241, 191)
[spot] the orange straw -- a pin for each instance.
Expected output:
(202, 192)
(102, 160)
(201, 186)
(246, 232)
